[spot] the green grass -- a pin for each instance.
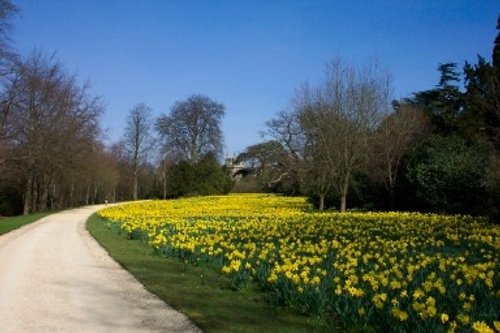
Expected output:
(202, 294)
(10, 223)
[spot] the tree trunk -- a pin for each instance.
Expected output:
(71, 193)
(343, 195)
(165, 179)
(321, 202)
(87, 194)
(53, 200)
(34, 195)
(94, 195)
(44, 195)
(343, 202)
(27, 195)
(136, 185)
(391, 197)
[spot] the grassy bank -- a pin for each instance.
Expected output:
(10, 223)
(202, 294)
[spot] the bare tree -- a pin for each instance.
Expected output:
(287, 130)
(52, 123)
(139, 140)
(344, 114)
(397, 133)
(7, 75)
(193, 129)
(329, 131)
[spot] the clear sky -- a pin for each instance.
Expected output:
(248, 55)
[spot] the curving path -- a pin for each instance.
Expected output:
(54, 277)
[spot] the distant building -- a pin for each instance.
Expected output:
(237, 169)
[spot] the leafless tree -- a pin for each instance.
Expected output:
(342, 114)
(192, 129)
(329, 130)
(287, 130)
(52, 123)
(138, 140)
(7, 75)
(397, 133)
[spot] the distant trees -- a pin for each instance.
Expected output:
(286, 130)
(7, 54)
(396, 134)
(192, 129)
(437, 150)
(443, 103)
(192, 144)
(50, 150)
(138, 140)
(204, 177)
(446, 173)
(7, 59)
(331, 126)
(339, 141)
(52, 125)
(263, 165)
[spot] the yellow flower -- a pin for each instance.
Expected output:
(464, 319)
(418, 293)
(399, 314)
(379, 300)
(376, 254)
(482, 327)
(453, 327)
(467, 307)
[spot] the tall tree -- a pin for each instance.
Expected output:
(192, 129)
(443, 103)
(138, 140)
(265, 163)
(397, 133)
(481, 119)
(342, 118)
(447, 175)
(7, 54)
(496, 47)
(7, 60)
(287, 130)
(53, 121)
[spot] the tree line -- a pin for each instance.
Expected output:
(52, 153)
(344, 142)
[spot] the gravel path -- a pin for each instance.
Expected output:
(54, 277)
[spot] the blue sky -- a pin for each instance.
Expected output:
(248, 55)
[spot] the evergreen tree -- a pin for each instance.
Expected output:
(444, 103)
(496, 48)
(481, 118)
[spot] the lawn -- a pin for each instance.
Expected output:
(10, 223)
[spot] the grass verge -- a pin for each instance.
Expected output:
(10, 223)
(202, 294)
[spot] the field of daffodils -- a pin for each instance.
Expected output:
(392, 271)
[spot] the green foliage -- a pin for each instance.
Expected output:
(496, 48)
(204, 177)
(446, 174)
(481, 116)
(443, 103)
